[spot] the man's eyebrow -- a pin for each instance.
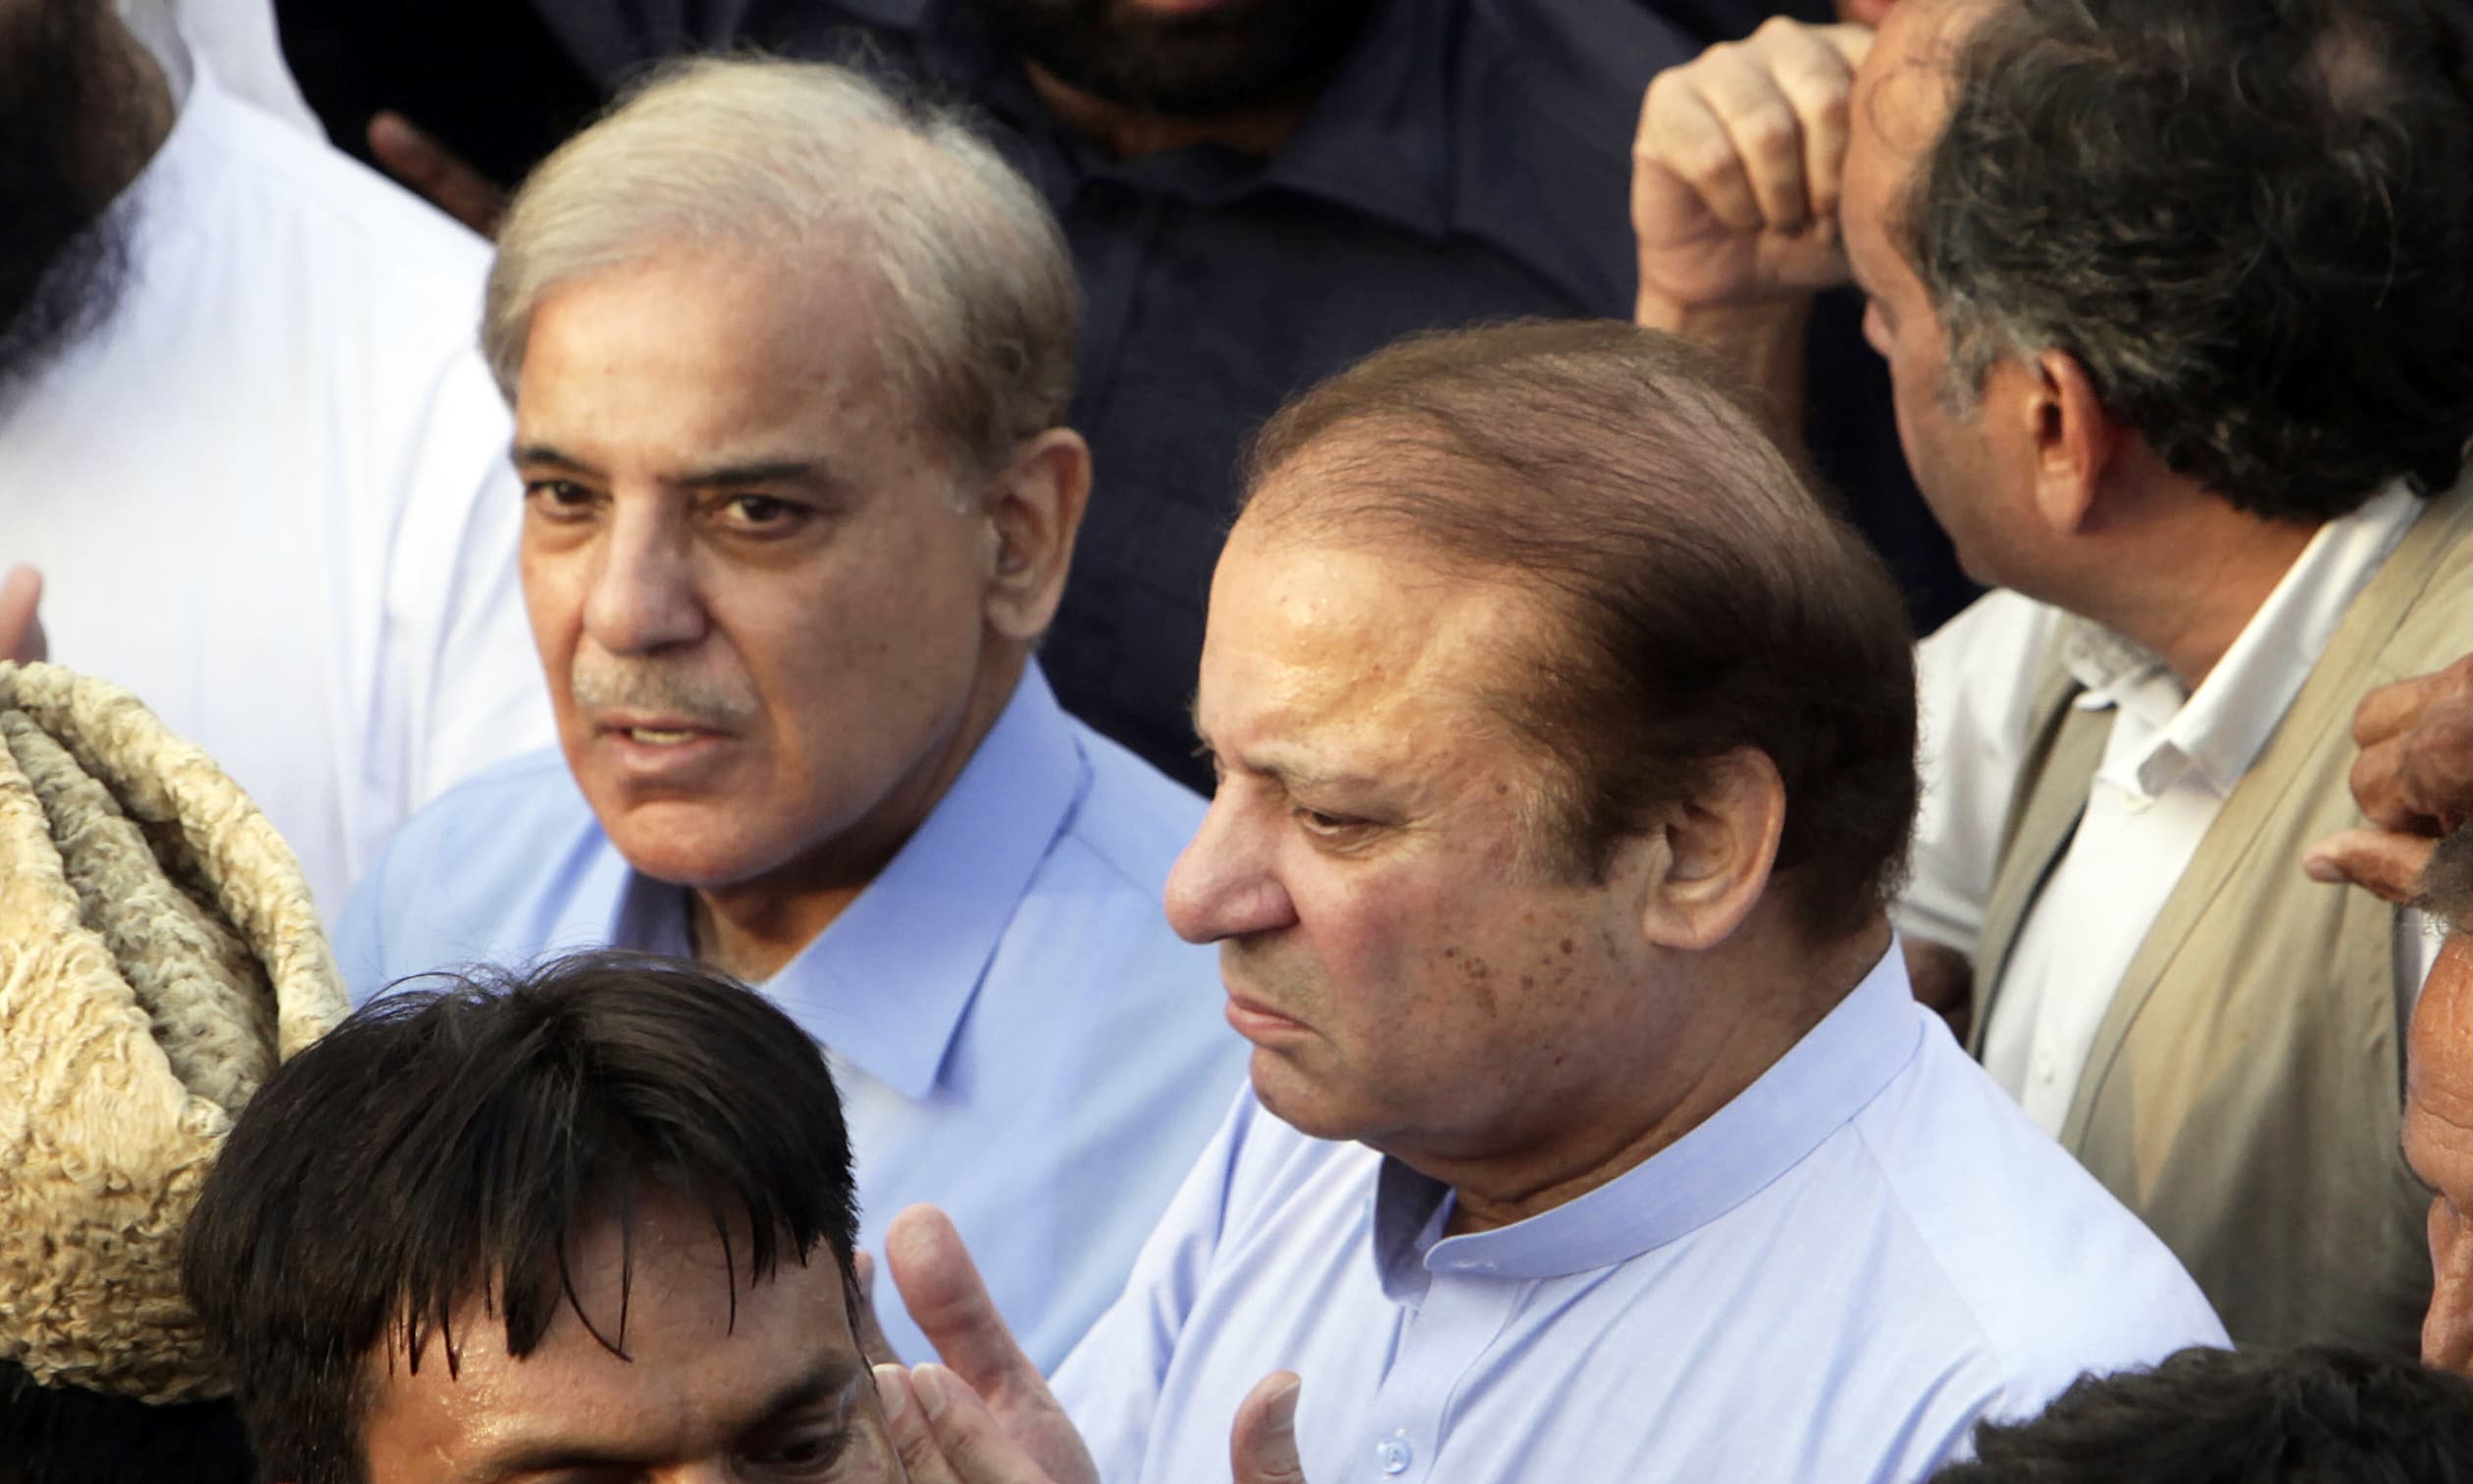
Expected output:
(757, 472)
(543, 453)
(825, 1380)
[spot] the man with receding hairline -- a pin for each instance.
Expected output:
(788, 358)
(1564, 748)
(2191, 389)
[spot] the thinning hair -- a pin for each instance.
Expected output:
(444, 1153)
(1699, 597)
(838, 179)
(2247, 220)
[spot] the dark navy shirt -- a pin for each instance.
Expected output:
(1469, 161)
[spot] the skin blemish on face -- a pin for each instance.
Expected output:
(1566, 947)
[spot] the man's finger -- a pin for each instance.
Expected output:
(2395, 707)
(967, 1435)
(942, 1289)
(416, 158)
(1685, 157)
(1764, 134)
(2384, 862)
(20, 627)
(914, 1440)
(871, 1332)
(1262, 1442)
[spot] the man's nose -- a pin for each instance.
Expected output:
(644, 594)
(2446, 1331)
(1225, 884)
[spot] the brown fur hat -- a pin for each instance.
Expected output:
(159, 954)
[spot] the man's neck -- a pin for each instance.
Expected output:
(1774, 991)
(749, 929)
(2191, 583)
(1124, 132)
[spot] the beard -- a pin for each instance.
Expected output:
(1179, 66)
(74, 129)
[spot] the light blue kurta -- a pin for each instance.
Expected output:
(1831, 1279)
(1017, 1034)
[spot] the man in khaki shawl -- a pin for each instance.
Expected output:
(159, 954)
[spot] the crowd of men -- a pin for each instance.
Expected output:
(1623, 1008)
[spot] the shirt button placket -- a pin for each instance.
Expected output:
(1394, 1454)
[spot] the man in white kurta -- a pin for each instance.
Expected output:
(270, 494)
(1566, 756)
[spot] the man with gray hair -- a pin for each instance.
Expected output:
(2191, 387)
(787, 358)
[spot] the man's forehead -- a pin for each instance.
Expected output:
(1340, 638)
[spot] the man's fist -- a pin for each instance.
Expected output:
(1736, 168)
(2413, 778)
(21, 629)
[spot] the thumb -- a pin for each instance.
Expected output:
(1262, 1442)
(2384, 862)
(20, 627)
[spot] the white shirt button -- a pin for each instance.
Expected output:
(1394, 1453)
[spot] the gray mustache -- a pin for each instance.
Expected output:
(614, 686)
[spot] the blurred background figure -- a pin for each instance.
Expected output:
(159, 954)
(1256, 192)
(2317, 1415)
(255, 469)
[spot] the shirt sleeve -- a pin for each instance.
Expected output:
(1974, 684)
(1110, 1384)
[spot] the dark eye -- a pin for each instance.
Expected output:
(805, 1454)
(762, 514)
(557, 493)
(1319, 822)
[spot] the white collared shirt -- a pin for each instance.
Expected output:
(2168, 765)
(1833, 1278)
(271, 494)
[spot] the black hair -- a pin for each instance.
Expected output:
(452, 1142)
(2321, 1415)
(2247, 220)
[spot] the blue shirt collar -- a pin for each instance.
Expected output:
(888, 984)
(1822, 1082)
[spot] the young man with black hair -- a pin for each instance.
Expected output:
(599, 1217)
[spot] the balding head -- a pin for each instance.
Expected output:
(1691, 597)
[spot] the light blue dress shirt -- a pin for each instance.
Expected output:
(1831, 1279)
(1017, 1034)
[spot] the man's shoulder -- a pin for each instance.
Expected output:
(519, 811)
(319, 207)
(1133, 819)
(2053, 1274)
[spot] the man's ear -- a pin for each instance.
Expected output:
(2071, 438)
(1034, 508)
(1712, 853)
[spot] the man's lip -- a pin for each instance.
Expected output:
(1251, 1018)
(628, 722)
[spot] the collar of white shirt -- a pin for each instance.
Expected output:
(2220, 728)
(1821, 1082)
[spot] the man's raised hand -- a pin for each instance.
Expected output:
(20, 628)
(1020, 1425)
(2413, 778)
(1736, 168)
(986, 1416)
